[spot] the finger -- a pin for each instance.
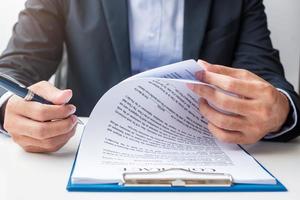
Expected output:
(223, 101)
(225, 135)
(249, 89)
(51, 93)
(32, 149)
(42, 112)
(48, 145)
(221, 120)
(229, 71)
(42, 130)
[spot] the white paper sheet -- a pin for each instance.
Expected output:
(151, 122)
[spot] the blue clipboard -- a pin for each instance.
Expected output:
(278, 187)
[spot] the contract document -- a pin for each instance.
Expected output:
(151, 122)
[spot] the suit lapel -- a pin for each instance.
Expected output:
(116, 14)
(196, 13)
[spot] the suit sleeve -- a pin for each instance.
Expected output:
(256, 54)
(35, 47)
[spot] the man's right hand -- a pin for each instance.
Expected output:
(39, 127)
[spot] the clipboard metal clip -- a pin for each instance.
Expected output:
(177, 177)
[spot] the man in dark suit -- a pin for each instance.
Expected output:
(108, 40)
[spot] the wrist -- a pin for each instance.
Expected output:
(284, 112)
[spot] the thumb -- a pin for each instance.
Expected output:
(51, 93)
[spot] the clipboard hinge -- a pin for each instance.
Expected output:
(177, 177)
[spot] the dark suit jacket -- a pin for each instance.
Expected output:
(227, 32)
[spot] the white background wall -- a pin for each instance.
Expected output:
(9, 10)
(284, 23)
(283, 16)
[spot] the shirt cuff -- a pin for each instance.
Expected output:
(3, 100)
(287, 128)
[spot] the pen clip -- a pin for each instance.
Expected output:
(12, 79)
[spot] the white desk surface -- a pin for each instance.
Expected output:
(44, 176)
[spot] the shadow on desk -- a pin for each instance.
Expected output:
(273, 147)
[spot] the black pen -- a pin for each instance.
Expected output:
(21, 90)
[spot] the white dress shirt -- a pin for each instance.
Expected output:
(156, 32)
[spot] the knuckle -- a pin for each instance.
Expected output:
(266, 87)
(230, 85)
(269, 89)
(15, 138)
(55, 148)
(38, 86)
(66, 126)
(49, 143)
(41, 112)
(243, 73)
(29, 149)
(224, 102)
(222, 122)
(41, 131)
(65, 110)
(43, 82)
(70, 124)
(272, 94)
(202, 109)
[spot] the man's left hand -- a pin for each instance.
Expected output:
(257, 109)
